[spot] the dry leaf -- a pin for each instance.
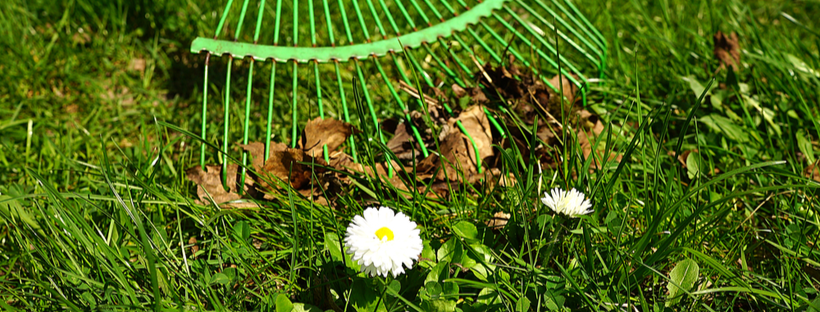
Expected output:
(456, 161)
(683, 156)
(402, 143)
(476, 95)
(287, 165)
(194, 247)
(257, 152)
(547, 132)
(458, 91)
(475, 122)
(565, 86)
(345, 162)
(498, 221)
(586, 146)
(727, 50)
(319, 132)
(209, 181)
(500, 79)
(812, 172)
(504, 180)
(137, 64)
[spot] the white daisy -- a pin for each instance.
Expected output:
(381, 241)
(570, 203)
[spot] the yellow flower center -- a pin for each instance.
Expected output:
(382, 232)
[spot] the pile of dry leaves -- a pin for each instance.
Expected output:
(453, 158)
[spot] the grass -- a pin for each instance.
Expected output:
(97, 213)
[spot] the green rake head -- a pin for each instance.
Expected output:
(321, 48)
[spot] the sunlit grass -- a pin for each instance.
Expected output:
(97, 213)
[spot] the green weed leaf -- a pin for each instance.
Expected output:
(364, 298)
(725, 125)
(220, 278)
(302, 307)
(451, 251)
(804, 144)
(695, 165)
(684, 274)
(283, 304)
(439, 305)
(466, 230)
(815, 305)
(333, 245)
(242, 230)
(523, 305)
(696, 86)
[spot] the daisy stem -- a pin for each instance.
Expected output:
(385, 284)
(557, 234)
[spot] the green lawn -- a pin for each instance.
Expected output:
(96, 212)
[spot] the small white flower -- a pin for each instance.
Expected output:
(381, 241)
(570, 203)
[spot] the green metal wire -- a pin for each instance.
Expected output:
(372, 111)
(343, 53)
(204, 112)
(269, 123)
(226, 125)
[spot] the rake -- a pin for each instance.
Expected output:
(383, 42)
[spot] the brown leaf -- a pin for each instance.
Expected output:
(315, 195)
(498, 221)
(504, 180)
(324, 131)
(683, 156)
(209, 181)
(475, 122)
(812, 172)
(402, 143)
(257, 152)
(586, 145)
(727, 50)
(456, 161)
(478, 96)
(194, 247)
(458, 91)
(285, 165)
(345, 162)
(459, 156)
(137, 64)
(547, 132)
(564, 85)
(502, 81)
(513, 69)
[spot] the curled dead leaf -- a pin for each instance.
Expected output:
(586, 142)
(209, 181)
(475, 122)
(565, 87)
(137, 64)
(194, 247)
(727, 50)
(498, 221)
(257, 152)
(402, 144)
(291, 165)
(319, 132)
(812, 171)
(455, 160)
